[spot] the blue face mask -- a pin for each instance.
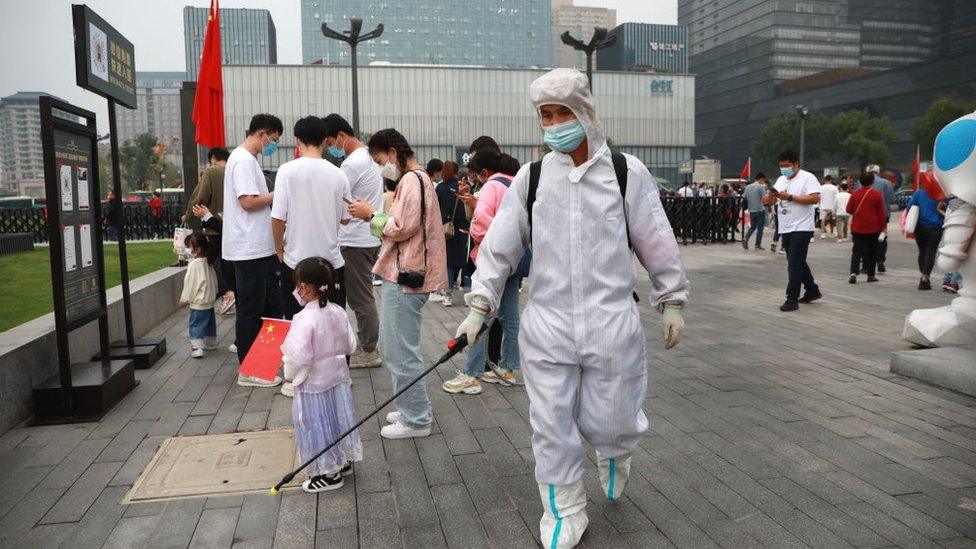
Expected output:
(336, 152)
(270, 148)
(787, 171)
(564, 137)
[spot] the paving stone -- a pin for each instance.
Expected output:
(424, 536)
(296, 520)
(377, 530)
(458, 517)
(337, 508)
(216, 528)
(131, 532)
(82, 494)
(258, 518)
(177, 523)
(22, 518)
(340, 538)
(137, 462)
(47, 535)
(195, 425)
(125, 442)
(437, 461)
(97, 524)
(72, 467)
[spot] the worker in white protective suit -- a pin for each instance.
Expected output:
(581, 339)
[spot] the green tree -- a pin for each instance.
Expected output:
(138, 162)
(862, 137)
(783, 132)
(942, 111)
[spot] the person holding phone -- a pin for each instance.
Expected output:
(798, 192)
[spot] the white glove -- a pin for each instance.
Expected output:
(674, 325)
(471, 325)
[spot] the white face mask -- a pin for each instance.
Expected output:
(389, 171)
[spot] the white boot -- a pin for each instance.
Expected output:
(564, 518)
(614, 473)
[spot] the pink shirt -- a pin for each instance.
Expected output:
(320, 339)
(489, 202)
(402, 232)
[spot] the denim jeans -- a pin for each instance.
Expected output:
(258, 295)
(757, 222)
(203, 328)
(400, 351)
(508, 316)
(796, 244)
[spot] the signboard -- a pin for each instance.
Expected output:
(104, 59)
(662, 86)
(661, 46)
(74, 217)
(686, 167)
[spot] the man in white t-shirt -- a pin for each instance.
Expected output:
(246, 237)
(828, 204)
(359, 247)
(798, 192)
(840, 212)
(308, 210)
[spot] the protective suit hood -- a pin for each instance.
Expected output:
(569, 87)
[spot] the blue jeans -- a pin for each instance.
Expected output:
(203, 328)
(508, 315)
(400, 351)
(757, 222)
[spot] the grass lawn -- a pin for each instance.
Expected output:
(25, 277)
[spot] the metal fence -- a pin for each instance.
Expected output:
(704, 220)
(140, 223)
(694, 220)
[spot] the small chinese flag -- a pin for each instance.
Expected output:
(263, 360)
(746, 170)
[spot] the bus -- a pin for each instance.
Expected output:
(20, 202)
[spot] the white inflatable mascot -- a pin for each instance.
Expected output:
(955, 172)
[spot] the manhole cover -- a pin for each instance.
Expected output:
(213, 465)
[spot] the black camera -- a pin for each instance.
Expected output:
(412, 278)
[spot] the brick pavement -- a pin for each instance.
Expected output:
(767, 429)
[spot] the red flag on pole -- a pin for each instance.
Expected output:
(915, 169)
(263, 359)
(208, 104)
(746, 170)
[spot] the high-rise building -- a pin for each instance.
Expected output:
(580, 22)
(157, 113)
(512, 34)
(247, 37)
(746, 53)
(646, 47)
(21, 156)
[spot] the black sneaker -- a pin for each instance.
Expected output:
(745, 245)
(810, 297)
(346, 469)
(881, 268)
(924, 285)
(852, 279)
(760, 248)
(789, 305)
(323, 483)
(872, 279)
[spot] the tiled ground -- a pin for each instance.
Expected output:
(766, 429)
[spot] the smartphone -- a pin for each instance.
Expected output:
(346, 200)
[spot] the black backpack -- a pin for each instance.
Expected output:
(619, 168)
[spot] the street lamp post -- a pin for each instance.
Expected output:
(598, 41)
(353, 38)
(803, 112)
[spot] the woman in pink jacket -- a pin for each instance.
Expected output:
(495, 172)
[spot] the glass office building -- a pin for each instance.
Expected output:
(441, 110)
(157, 112)
(490, 33)
(646, 47)
(748, 53)
(247, 37)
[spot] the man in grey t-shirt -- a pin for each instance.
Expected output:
(887, 190)
(754, 194)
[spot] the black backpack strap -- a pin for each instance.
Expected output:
(535, 170)
(620, 169)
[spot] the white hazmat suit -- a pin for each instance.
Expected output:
(581, 339)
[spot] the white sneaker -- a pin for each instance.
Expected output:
(399, 430)
(448, 302)
(232, 348)
(197, 353)
(435, 297)
(823, 236)
(288, 389)
(362, 359)
(248, 381)
(393, 417)
(462, 383)
(377, 283)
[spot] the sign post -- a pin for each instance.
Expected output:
(105, 64)
(85, 391)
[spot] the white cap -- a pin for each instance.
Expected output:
(873, 168)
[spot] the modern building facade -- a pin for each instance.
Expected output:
(580, 22)
(646, 47)
(21, 157)
(745, 53)
(512, 34)
(441, 110)
(247, 37)
(157, 113)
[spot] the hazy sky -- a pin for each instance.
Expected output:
(36, 43)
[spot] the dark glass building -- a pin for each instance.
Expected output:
(746, 53)
(646, 47)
